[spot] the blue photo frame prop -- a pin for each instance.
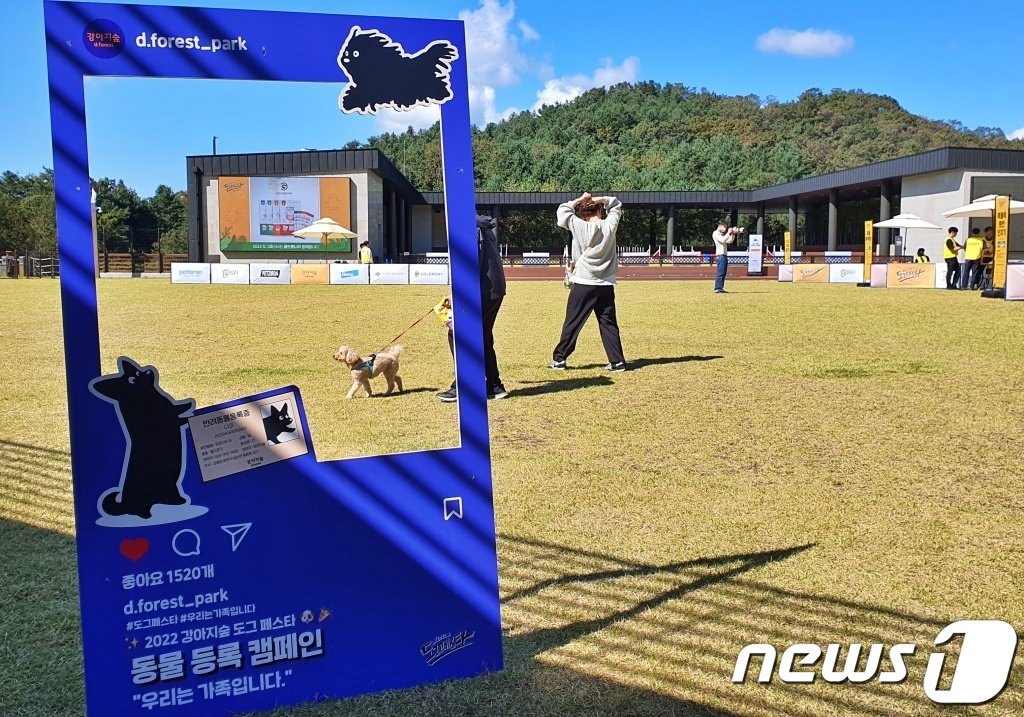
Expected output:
(207, 590)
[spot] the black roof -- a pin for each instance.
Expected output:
(332, 161)
(855, 183)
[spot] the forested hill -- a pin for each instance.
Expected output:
(648, 136)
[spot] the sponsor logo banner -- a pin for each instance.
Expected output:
(350, 274)
(811, 273)
(910, 276)
(190, 273)
(270, 273)
(310, 274)
(230, 273)
(428, 274)
(389, 273)
(845, 273)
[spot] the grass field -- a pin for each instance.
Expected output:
(785, 464)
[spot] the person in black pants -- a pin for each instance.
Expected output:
(594, 263)
(950, 252)
(492, 293)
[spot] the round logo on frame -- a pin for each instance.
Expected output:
(103, 38)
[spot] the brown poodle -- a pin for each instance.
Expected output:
(385, 362)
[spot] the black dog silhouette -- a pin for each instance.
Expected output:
(276, 423)
(153, 425)
(382, 74)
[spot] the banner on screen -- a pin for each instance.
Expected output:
(261, 213)
(190, 273)
(811, 273)
(910, 276)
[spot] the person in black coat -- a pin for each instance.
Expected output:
(492, 293)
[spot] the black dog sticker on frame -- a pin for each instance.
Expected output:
(154, 428)
(383, 74)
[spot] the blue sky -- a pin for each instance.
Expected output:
(522, 54)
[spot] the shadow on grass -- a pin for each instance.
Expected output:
(397, 393)
(569, 384)
(586, 633)
(637, 364)
(40, 632)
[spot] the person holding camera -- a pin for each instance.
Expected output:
(595, 261)
(723, 237)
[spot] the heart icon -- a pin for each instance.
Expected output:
(134, 548)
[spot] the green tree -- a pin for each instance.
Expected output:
(169, 212)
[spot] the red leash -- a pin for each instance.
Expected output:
(391, 343)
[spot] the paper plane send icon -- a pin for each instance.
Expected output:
(237, 532)
(453, 507)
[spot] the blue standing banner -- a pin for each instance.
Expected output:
(222, 567)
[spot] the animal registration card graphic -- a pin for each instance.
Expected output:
(247, 434)
(222, 567)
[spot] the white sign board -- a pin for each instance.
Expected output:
(270, 274)
(754, 259)
(350, 274)
(1015, 282)
(229, 273)
(785, 272)
(190, 273)
(879, 275)
(845, 273)
(389, 273)
(428, 274)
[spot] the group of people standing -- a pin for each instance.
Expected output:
(978, 252)
(592, 223)
(594, 262)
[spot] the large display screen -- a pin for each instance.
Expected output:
(262, 213)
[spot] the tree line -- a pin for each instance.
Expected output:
(669, 137)
(632, 136)
(125, 221)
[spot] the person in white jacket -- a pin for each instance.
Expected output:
(594, 263)
(722, 237)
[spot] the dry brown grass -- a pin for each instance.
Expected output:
(786, 464)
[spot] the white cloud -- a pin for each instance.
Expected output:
(389, 120)
(1017, 134)
(482, 109)
(529, 34)
(808, 43)
(564, 89)
(493, 51)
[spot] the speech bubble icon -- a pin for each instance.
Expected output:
(185, 543)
